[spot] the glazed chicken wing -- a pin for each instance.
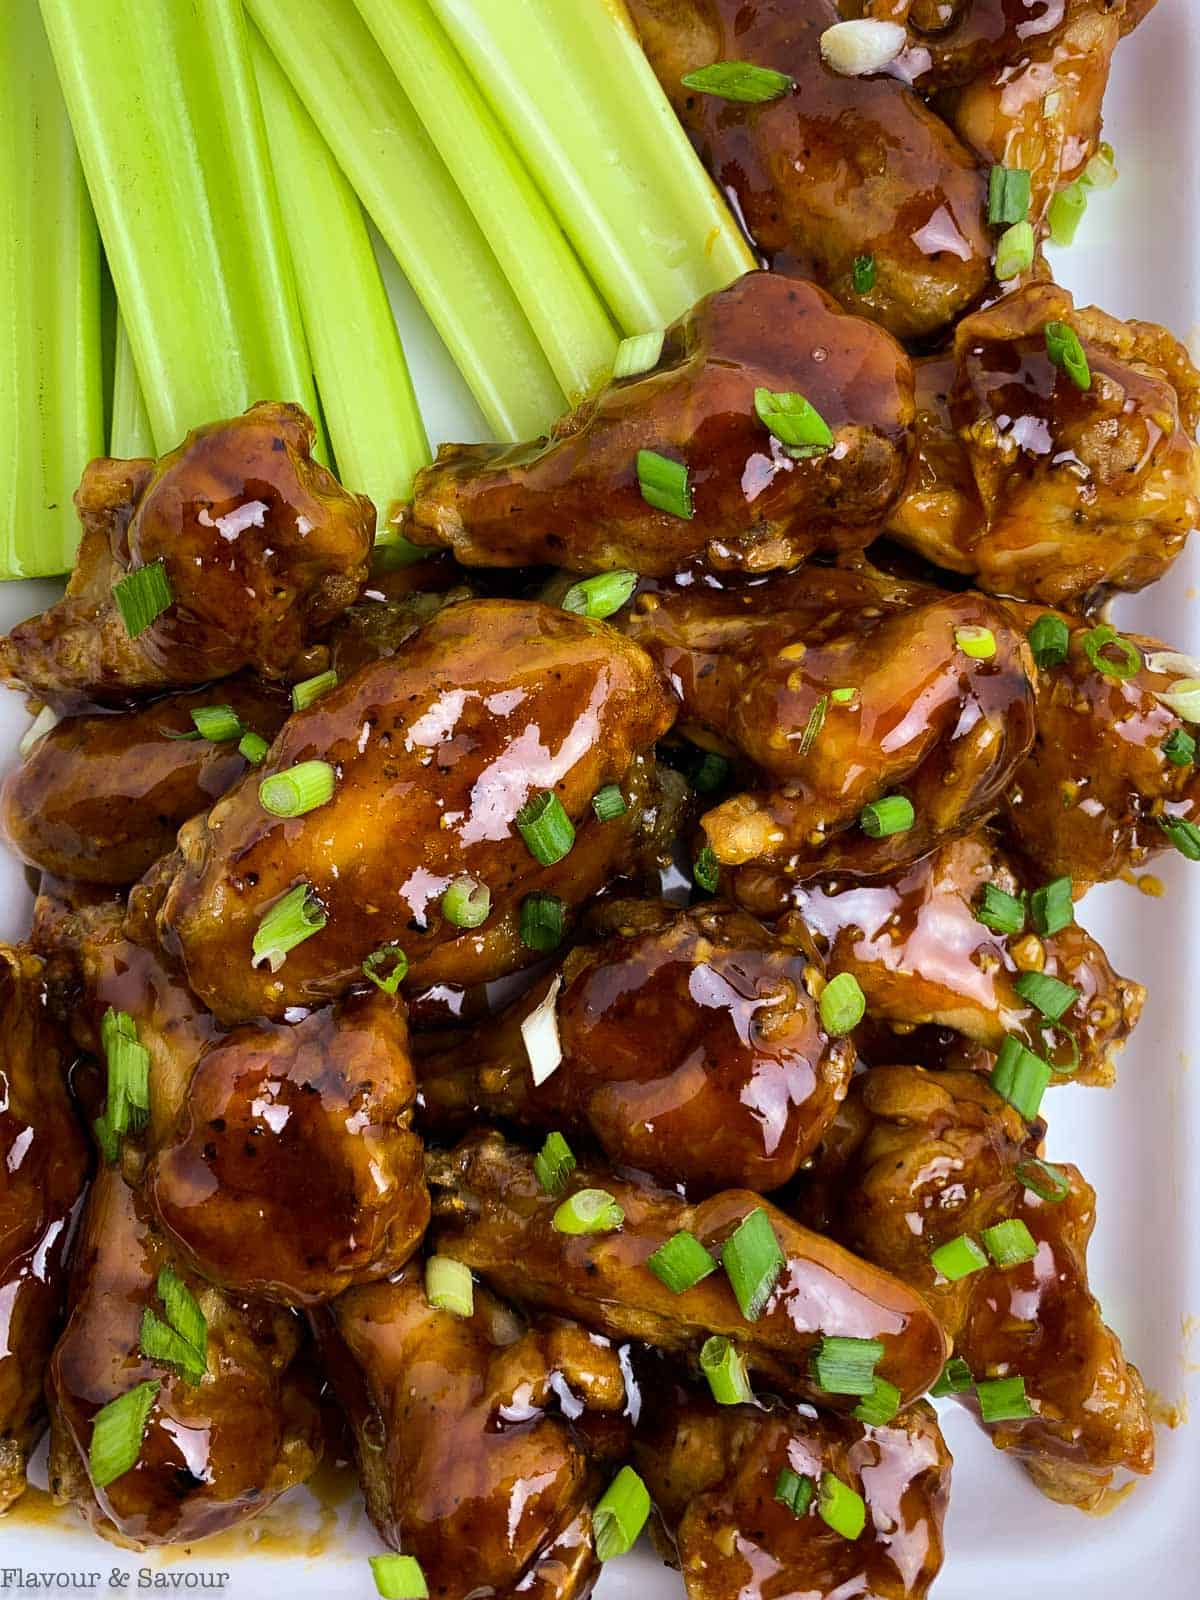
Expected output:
(573, 500)
(692, 1050)
(261, 548)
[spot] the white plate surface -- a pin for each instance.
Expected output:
(1137, 256)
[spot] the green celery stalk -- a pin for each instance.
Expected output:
(51, 378)
(375, 427)
(165, 109)
(352, 95)
(573, 88)
(130, 434)
(564, 310)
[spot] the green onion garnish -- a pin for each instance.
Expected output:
(1049, 639)
(1003, 1399)
(816, 721)
(706, 870)
(841, 1507)
(1184, 835)
(1064, 349)
(141, 596)
(791, 419)
(310, 689)
(467, 903)
(864, 274)
(554, 1164)
(725, 1368)
(638, 353)
(1050, 996)
(1009, 194)
(399, 1577)
(386, 967)
(753, 1262)
(609, 803)
(254, 748)
(541, 925)
(1014, 252)
(1020, 1077)
(1052, 908)
(955, 1378)
(794, 1490)
(449, 1286)
(893, 814)
(710, 772)
(218, 724)
(880, 1406)
(300, 789)
(1183, 698)
(842, 1004)
(1097, 642)
(1048, 1182)
(1009, 1243)
(160, 1342)
(846, 1366)
(682, 1263)
(842, 697)
(589, 1211)
(620, 1515)
(958, 1258)
(1000, 911)
(739, 80)
(127, 1102)
(183, 1310)
(1066, 213)
(289, 922)
(1179, 748)
(977, 642)
(664, 484)
(546, 828)
(600, 596)
(117, 1430)
(1101, 170)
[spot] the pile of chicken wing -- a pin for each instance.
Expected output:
(692, 866)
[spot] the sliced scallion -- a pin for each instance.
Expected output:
(846, 1365)
(816, 721)
(541, 923)
(892, 814)
(977, 642)
(609, 803)
(449, 1286)
(795, 422)
(1183, 698)
(955, 1378)
(467, 903)
(299, 790)
(310, 689)
(399, 1577)
(638, 354)
(1009, 1243)
(842, 1004)
(725, 1368)
(386, 967)
(554, 1164)
(958, 1258)
(539, 1033)
(664, 484)
(620, 1515)
(253, 748)
(1000, 911)
(682, 1262)
(864, 274)
(1003, 1399)
(1184, 835)
(842, 697)
(117, 1430)
(1014, 251)
(141, 596)
(753, 1262)
(1048, 1182)
(1065, 350)
(602, 595)
(1066, 212)
(589, 1211)
(706, 870)
(739, 80)
(546, 828)
(217, 724)
(1020, 1077)
(879, 1407)
(1052, 907)
(1049, 639)
(841, 1507)
(183, 1311)
(1009, 193)
(794, 1490)
(160, 1343)
(1110, 654)
(1050, 996)
(288, 923)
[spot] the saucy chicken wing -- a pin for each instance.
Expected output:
(750, 501)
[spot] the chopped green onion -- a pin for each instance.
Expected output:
(546, 828)
(1048, 1182)
(1184, 835)
(1003, 1399)
(816, 721)
(158, 1342)
(739, 80)
(609, 803)
(1009, 194)
(399, 1577)
(845, 1365)
(794, 1490)
(1066, 213)
(1049, 639)
(1050, 996)
(602, 595)
(218, 724)
(638, 354)
(1097, 641)
(706, 870)
(1020, 1077)
(554, 1164)
(117, 1430)
(841, 1507)
(753, 1262)
(1052, 908)
(1183, 698)
(1064, 349)
(297, 791)
(842, 1004)
(664, 484)
(955, 1378)
(1009, 1243)
(254, 748)
(141, 596)
(541, 924)
(880, 1406)
(1072, 1065)
(107, 1138)
(310, 689)
(1101, 170)
(449, 1286)
(864, 274)
(893, 814)
(467, 903)
(1014, 252)
(1000, 911)
(589, 1211)
(977, 642)
(682, 1262)
(725, 1368)
(289, 922)
(127, 1103)
(798, 425)
(183, 1311)
(539, 1034)
(710, 772)
(958, 1258)
(620, 1515)
(842, 697)
(386, 967)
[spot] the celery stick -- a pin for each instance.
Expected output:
(130, 434)
(576, 95)
(162, 98)
(366, 393)
(51, 381)
(353, 97)
(566, 314)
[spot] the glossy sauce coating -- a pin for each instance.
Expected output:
(573, 499)
(494, 1215)
(435, 751)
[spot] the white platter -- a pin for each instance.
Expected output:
(1137, 255)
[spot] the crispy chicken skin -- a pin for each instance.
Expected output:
(44, 1165)
(573, 499)
(692, 1050)
(712, 1470)
(757, 668)
(262, 548)
(436, 750)
(212, 1454)
(492, 1213)
(838, 168)
(1041, 490)
(101, 797)
(468, 1459)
